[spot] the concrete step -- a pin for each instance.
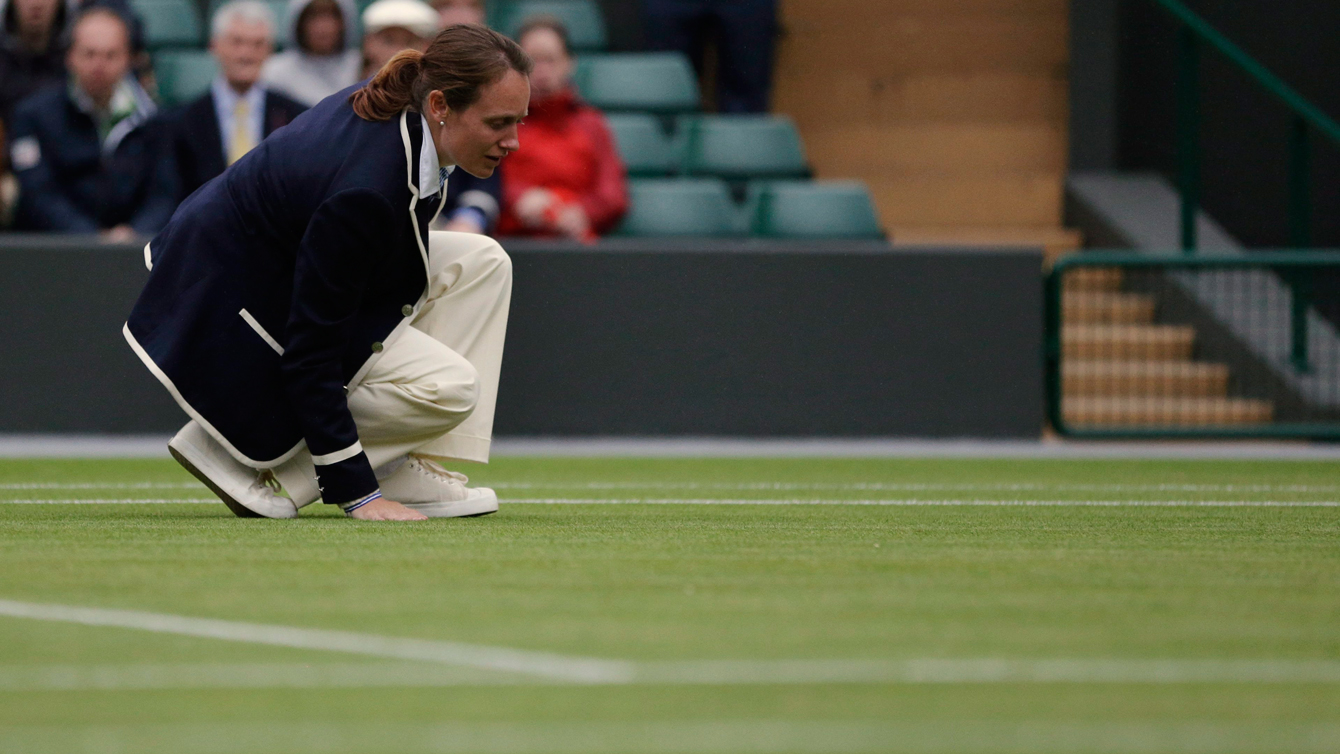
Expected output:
(1094, 307)
(1173, 379)
(1128, 412)
(1094, 279)
(1127, 342)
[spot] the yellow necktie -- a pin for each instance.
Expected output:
(241, 142)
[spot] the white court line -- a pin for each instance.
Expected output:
(553, 666)
(547, 667)
(710, 736)
(837, 486)
(913, 486)
(110, 501)
(103, 486)
(910, 502)
(914, 502)
(979, 671)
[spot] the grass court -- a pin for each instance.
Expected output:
(680, 605)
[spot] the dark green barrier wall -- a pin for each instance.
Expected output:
(645, 338)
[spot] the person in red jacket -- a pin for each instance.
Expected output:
(569, 180)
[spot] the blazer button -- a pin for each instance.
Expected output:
(406, 310)
(377, 346)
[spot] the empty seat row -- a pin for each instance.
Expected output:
(730, 146)
(658, 82)
(177, 23)
(775, 209)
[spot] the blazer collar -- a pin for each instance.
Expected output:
(432, 175)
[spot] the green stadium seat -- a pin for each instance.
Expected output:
(585, 22)
(183, 74)
(660, 82)
(812, 209)
(742, 146)
(679, 207)
(170, 23)
(646, 148)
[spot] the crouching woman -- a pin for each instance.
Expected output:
(323, 342)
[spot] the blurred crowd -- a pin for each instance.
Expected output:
(88, 149)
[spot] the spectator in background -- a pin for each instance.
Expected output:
(390, 26)
(92, 156)
(452, 12)
(322, 56)
(238, 111)
(9, 187)
(744, 31)
(568, 180)
(32, 53)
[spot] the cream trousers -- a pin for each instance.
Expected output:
(434, 389)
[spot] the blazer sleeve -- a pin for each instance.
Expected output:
(42, 204)
(334, 260)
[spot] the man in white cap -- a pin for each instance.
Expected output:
(390, 26)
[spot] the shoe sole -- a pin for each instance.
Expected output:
(238, 509)
(484, 506)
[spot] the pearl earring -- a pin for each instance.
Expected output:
(441, 123)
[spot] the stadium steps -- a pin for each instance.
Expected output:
(1107, 307)
(1128, 342)
(954, 114)
(1167, 412)
(1122, 370)
(1172, 379)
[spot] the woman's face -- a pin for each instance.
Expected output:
(322, 30)
(478, 138)
(553, 66)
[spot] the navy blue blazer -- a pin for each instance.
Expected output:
(275, 286)
(197, 145)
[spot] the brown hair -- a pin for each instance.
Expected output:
(551, 23)
(461, 60)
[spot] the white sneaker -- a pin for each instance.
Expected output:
(424, 486)
(248, 493)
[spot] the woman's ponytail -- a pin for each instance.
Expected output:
(459, 62)
(391, 90)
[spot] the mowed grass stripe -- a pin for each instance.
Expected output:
(767, 736)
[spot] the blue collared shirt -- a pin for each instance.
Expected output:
(225, 103)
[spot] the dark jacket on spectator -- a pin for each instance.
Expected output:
(73, 181)
(276, 286)
(23, 72)
(197, 145)
(477, 198)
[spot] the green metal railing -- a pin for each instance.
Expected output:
(1306, 118)
(1262, 290)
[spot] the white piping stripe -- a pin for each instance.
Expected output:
(261, 331)
(148, 258)
(543, 664)
(339, 455)
(190, 410)
(548, 667)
